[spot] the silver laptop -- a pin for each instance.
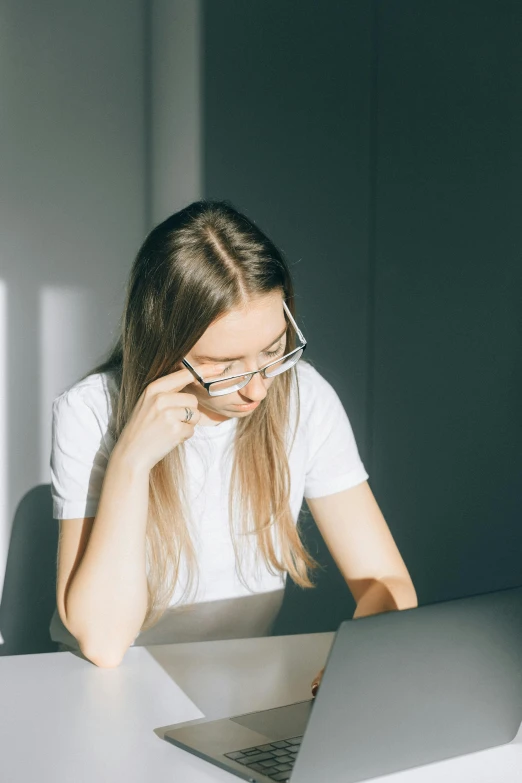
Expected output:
(399, 690)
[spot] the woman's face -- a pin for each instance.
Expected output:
(243, 340)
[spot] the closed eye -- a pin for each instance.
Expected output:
(269, 354)
(225, 371)
(274, 353)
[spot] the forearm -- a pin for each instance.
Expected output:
(377, 596)
(386, 595)
(106, 601)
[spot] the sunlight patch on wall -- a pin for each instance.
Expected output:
(176, 110)
(66, 352)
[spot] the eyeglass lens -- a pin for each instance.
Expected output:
(228, 385)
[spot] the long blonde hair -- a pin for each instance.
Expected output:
(195, 266)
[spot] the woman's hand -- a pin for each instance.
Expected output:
(317, 682)
(157, 425)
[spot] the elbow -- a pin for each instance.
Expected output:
(408, 599)
(102, 653)
(103, 657)
(411, 601)
(401, 592)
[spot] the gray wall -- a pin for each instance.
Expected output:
(286, 137)
(72, 216)
(447, 413)
(379, 144)
(174, 106)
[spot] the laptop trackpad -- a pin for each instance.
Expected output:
(279, 723)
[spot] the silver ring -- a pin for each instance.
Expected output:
(189, 414)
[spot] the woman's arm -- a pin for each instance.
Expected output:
(102, 585)
(361, 544)
(102, 590)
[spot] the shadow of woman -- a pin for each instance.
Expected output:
(29, 597)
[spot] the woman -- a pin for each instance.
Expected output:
(180, 464)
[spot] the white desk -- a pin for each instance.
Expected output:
(62, 720)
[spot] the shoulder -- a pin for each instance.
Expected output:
(90, 402)
(82, 441)
(320, 407)
(313, 388)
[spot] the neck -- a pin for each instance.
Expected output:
(210, 418)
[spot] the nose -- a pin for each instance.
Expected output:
(255, 389)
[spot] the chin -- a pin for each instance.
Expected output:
(235, 414)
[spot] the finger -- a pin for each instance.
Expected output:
(194, 419)
(190, 415)
(187, 431)
(174, 381)
(184, 400)
(317, 682)
(173, 400)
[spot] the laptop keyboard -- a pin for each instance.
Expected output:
(274, 760)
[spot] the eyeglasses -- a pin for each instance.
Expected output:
(234, 382)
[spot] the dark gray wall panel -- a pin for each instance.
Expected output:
(447, 416)
(286, 138)
(286, 95)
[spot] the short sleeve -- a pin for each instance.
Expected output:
(79, 457)
(333, 461)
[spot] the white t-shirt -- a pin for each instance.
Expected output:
(324, 459)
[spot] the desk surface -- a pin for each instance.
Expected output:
(63, 720)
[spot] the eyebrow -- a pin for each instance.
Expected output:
(200, 358)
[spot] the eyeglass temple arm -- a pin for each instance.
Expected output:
(292, 321)
(192, 370)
